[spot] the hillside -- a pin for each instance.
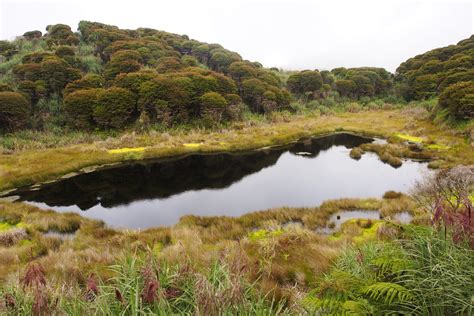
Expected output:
(103, 77)
(447, 72)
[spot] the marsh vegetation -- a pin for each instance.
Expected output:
(131, 123)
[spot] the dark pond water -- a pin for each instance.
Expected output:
(155, 193)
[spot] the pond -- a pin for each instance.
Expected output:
(150, 193)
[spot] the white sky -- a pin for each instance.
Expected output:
(291, 34)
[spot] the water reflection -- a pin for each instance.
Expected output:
(152, 193)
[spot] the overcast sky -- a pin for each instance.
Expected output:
(290, 34)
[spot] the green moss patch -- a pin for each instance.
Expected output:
(262, 234)
(413, 139)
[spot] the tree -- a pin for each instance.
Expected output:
(114, 109)
(57, 74)
(168, 64)
(14, 111)
(221, 59)
(79, 107)
(124, 61)
(242, 70)
(458, 99)
(212, 107)
(175, 92)
(89, 81)
(455, 77)
(346, 88)
(304, 82)
(252, 94)
(63, 51)
(61, 34)
(31, 35)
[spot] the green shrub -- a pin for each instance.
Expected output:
(14, 111)
(31, 35)
(79, 107)
(7, 49)
(392, 195)
(212, 106)
(168, 64)
(233, 98)
(89, 81)
(63, 51)
(303, 82)
(189, 61)
(5, 87)
(346, 88)
(458, 99)
(123, 61)
(60, 34)
(115, 108)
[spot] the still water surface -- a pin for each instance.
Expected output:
(157, 193)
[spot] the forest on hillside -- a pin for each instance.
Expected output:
(102, 77)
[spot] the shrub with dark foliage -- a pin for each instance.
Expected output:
(14, 111)
(458, 99)
(79, 107)
(213, 106)
(115, 108)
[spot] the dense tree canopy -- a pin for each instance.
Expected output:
(163, 76)
(108, 77)
(426, 75)
(305, 82)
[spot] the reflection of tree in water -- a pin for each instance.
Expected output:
(314, 146)
(148, 180)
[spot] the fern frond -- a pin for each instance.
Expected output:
(359, 307)
(388, 293)
(322, 306)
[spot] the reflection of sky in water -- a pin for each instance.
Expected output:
(292, 181)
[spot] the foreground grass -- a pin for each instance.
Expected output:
(263, 263)
(28, 166)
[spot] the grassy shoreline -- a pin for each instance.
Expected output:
(39, 165)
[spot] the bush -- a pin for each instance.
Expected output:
(115, 108)
(79, 107)
(458, 99)
(346, 88)
(89, 81)
(63, 51)
(392, 195)
(233, 98)
(32, 35)
(213, 106)
(307, 81)
(123, 61)
(7, 49)
(14, 111)
(354, 107)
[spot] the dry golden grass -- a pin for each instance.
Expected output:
(294, 254)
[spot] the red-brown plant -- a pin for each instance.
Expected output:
(92, 289)
(151, 285)
(447, 195)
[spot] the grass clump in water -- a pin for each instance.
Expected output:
(356, 153)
